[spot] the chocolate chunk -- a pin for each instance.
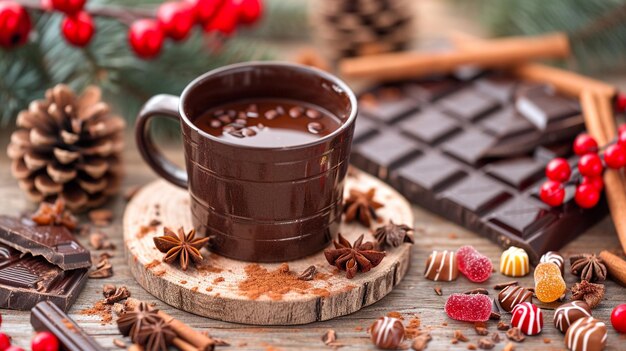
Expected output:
(25, 280)
(46, 316)
(480, 162)
(54, 243)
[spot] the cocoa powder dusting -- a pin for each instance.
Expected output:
(101, 310)
(275, 284)
(152, 264)
(218, 280)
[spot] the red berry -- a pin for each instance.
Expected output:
(590, 165)
(596, 182)
(78, 29)
(15, 24)
(5, 342)
(225, 19)
(587, 196)
(620, 102)
(618, 318)
(14, 348)
(621, 128)
(146, 38)
(44, 341)
(621, 137)
(69, 7)
(176, 19)
(205, 9)
(250, 11)
(584, 144)
(615, 156)
(558, 170)
(552, 193)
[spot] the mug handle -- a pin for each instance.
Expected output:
(166, 106)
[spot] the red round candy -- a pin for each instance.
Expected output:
(558, 170)
(146, 38)
(5, 342)
(205, 9)
(176, 19)
(584, 144)
(590, 165)
(78, 29)
(621, 137)
(225, 19)
(69, 7)
(250, 11)
(44, 341)
(615, 156)
(597, 182)
(528, 318)
(587, 196)
(15, 24)
(620, 102)
(618, 318)
(14, 348)
(552, 193)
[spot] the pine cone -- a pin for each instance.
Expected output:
(346, 28)
(70, 147)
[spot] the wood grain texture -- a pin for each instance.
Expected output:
(215, 292)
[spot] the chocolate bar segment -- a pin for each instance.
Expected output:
(471, 155)
(26, 280)
(54, 243)
(46, 316)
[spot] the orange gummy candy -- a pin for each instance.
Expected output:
(549, 284)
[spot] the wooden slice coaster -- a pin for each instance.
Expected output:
(245, 292)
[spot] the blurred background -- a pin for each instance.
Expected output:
(310, 31)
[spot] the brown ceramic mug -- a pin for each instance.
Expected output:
(258, 203)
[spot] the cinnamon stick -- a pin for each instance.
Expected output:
(565, 82)
(200, 341)
(182, 345)
(495, 53)
(615, 265)
(601, 125)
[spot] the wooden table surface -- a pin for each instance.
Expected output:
(414, 296)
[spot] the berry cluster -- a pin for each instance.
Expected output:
(588, 178)
(174, 20)
(42, 341)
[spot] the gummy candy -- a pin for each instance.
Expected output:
(528, 318)
(473, 265)
(514, 262)
(549, 284)
(469, 307)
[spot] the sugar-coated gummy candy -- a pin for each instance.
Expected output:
(469, 307)
(549, 284)
(514, 262)
(475, 266)
(528, 318)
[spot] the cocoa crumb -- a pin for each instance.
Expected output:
(503, 326)
(108, 290)
(154, 222)
(514, 334)
(100, 241)
(496, 337)
(509, 347)
(481, 328)
(194, 289)
(421, 342)
(183, 282)
(486, 344)
(259, 281)
(119, 343)
(438, 291)
(144, 230)
(159, 273)
(101, 217)
(208, 289)
(458, 335)
(308, 274)
(547, 340)
(220, 342)
(444, 324)
(152, 264)
(472, 347)
(103, 269)
(412, 329)
(358, 328)
(218, 280)
(482, 291)
(329, 337)
(501, 286)
(452, 236)
(120, 294)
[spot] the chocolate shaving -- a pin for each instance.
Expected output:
(503, 326)
(481, 329)
(55, 214)
(438, 291)
(458, 335)
(482, 291)
(100, 241)
(496, 337)
(591, 293)
(501, 286)
(421, 342)
(486, 344)
(103, 269)
(514, 334)
(308, 274)
(329, 337)
(120, 294)
(108, 290)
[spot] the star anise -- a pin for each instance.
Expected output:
(591, 293)
(352, 258)
(588, 267)
(393, 235)
(54, 214)
(156, 336)
(132, 322)
(181, 246)
(361, 206)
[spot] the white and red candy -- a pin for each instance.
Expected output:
(528, 318)
(387, 333)
(469, 307)
(475, 266)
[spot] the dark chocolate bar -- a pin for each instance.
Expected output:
(474, 151)
(54, 243)
(48, 317)
(26, 280)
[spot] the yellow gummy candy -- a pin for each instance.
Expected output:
(549, 284)
(514, 262)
